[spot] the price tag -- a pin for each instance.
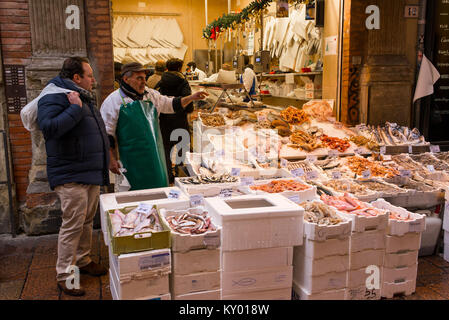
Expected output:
(431, 168)
(298, 172)
(383, 150)
(235, 172)
(359, 151)
(405, 173)
(247, 181)
(311, 158)
(294, 198)
(196, 200)
(434, 149)
(410, 149)
(366, 174)
(283, 163)
(312, 175)
(226, 193)
(336, 175)
(144, 208)
(174, 194)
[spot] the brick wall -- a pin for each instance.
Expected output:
(15, 35)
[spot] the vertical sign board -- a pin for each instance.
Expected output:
(15, 89)
(281, 9)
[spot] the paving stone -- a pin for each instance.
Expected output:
(437, 261)
(426, 280)
(41, 285)
(424, 293)
(441, 286)
(47, 244)
(105, 288)
(11, 290)
(14, 267)
(425, 267)
(44, 261)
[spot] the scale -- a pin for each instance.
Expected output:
(225, 87)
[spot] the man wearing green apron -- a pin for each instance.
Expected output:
(131, 116)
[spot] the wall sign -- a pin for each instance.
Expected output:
(15, 90)
(411, 12)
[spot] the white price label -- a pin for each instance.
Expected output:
(298, 172)
(174, 194)
(226, 193)
(235, 172)
(196, 200)
(383, 150)
(333, 153)
(336, 175)
(434, 149)
(144, 208)
(312, 175)
(284, 163)
(247, 181)
(431, 168)
(405, 173)
(311, 158)
(410, 149)
(366, 174)
(294, 198)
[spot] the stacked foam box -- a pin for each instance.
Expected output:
(258, 235)
(403, 239)
(196, 270)
(140, 276)
(446, 227)
(367, 249)
(320, 266)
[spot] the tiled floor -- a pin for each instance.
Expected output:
(27, 271)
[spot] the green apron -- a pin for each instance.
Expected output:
(140, 145)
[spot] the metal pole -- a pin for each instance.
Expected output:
(8, 178)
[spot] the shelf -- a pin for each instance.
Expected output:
(295, 74)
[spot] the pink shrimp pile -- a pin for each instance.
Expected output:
(350, 205)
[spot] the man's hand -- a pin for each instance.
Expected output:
(200, 95)
(114, 166)
(74, 98)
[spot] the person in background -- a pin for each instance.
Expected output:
(117, 69)
(173, 83)
(159, 69)
(249, 79)
(77, 148)
(191, 67)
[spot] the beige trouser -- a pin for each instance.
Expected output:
(79, 204)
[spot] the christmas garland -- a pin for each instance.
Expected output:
(231, 21)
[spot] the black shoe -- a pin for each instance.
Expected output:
(71, 292)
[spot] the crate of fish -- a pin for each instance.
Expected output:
(212, 122)
(322, 222)
(191, 229)
(135, 229)
(209, 185)
(364, 216)
(294, 188)
(341, 186)
(334, 169)
(392, 134)
(401, 221)
(304, 169)
(381, 188)
(366, 168)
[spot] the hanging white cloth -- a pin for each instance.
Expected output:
(428, 76)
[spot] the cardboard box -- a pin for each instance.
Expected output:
(275, 294)
(257, 259)
(257, 221)
(404, 288)
(202, 295)
(302, 294)
(399, 275)
(408, 242)
(196, 282)
(373, 239)
(362, 293)
(196, 261)
(307, 267)
(366, 258)
(404, 259)
(256, 280)
(321, 249)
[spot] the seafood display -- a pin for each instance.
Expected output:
(139, 220)
(278, 186)
(320, 213)
(213, 120)
(242, 117)
(335, 143)
(378, 186)
(393, 135)
(410, 184)
(205, 179)
(359, 165)
(332, 166)
(305, 141)
(350, 205)
(318, 110)
(348, 186)
(401, 216)
(189, 222)
(363, 141)
(300, 165)
(444, 156)
(294, 116)
(428, 159)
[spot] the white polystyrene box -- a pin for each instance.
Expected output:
(372, 239)
(362, 223)
(115, 295)
(159, 197)
(398, 275)
(408, 242)
(255, 280)
(195, 282)
(365, 258)
(185, 242)
(397, 227)
(362, 293)
(202, 295)
(390, 289)
(307, 267)
(140, 285)
(207, 190)
(275, 294)
(430, 236)
(326, 282)
(303, 294)
(257, 259)
(195, 261)
(404, 259)
(357, 278)
(255, 222)
(134, 263)
(320, 249)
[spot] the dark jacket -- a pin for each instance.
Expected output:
(174, 84)
(75, 139)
